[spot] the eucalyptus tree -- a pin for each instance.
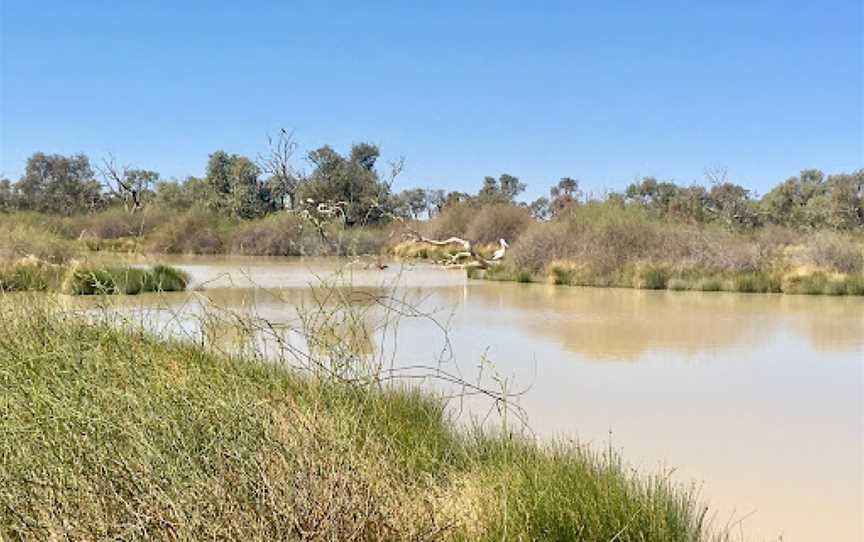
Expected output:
(58, 184)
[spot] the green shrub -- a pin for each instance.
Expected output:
(196, 231)
(677, 284)
(854, 285)
(562, 275)
(808, 284)
(710, 284)
(753, 283)
(524, 276)
(652, 278)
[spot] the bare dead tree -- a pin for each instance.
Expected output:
(126, 184)
(276, 162)
(717, 174)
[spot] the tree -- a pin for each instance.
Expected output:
(436, 201)
(182, 195)
(846, 200)
(540, 208)
(652, 194)
(284, 180)
(730, 204)
(501, 190)
(127, 185)
(58, 184)
(412, 203)
(348, 186)
(565, 193)
(234, 186)
(8, 198)
(689, 204)
(790, 204)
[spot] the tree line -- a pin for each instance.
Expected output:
(353, 187)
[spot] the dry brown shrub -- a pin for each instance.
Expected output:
(834, 251)
(494, 222)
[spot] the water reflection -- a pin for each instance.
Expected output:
(623, 324)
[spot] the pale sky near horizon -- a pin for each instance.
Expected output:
(603, 92)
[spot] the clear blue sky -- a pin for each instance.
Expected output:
(600, 91)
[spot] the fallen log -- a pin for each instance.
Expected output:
(467, 252)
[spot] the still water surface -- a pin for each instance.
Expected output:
(757, 399)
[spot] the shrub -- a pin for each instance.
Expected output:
(280, 235)
(23, 240)
(756, 282)
(854, 285)
(494, 222)
(805, 283)
(834, 252)
(677, 284)
(117, 222)
(710, 284)
(524, 276)
(452, 221)
(194, 232)
(650, 277)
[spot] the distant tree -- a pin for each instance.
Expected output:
(284, 180)
(501, 190)
(730, 204)
(456, 197)
(58, 184)
(689, 204)
(798, 201)
(435, 200)
(349, 186)
(129, 186)
(234, 186)
(563, 194)
(540, 209)
(182, 195)
(8, 201)
(652, 195)
(413, 202)
(846, 200)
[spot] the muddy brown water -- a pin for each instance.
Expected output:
(756, 399)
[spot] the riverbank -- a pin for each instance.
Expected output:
(592, 244)
(649, 276)
(602, 245)
(116, 433)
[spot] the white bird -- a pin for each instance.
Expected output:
(498, 254)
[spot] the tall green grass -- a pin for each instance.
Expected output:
(124, 280)
(111, 433)
(32, 274)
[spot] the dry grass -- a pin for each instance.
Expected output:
(603, 245)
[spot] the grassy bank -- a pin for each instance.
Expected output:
(112, 433)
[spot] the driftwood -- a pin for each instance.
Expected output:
(467, 253)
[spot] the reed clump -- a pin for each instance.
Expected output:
(81, 278)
